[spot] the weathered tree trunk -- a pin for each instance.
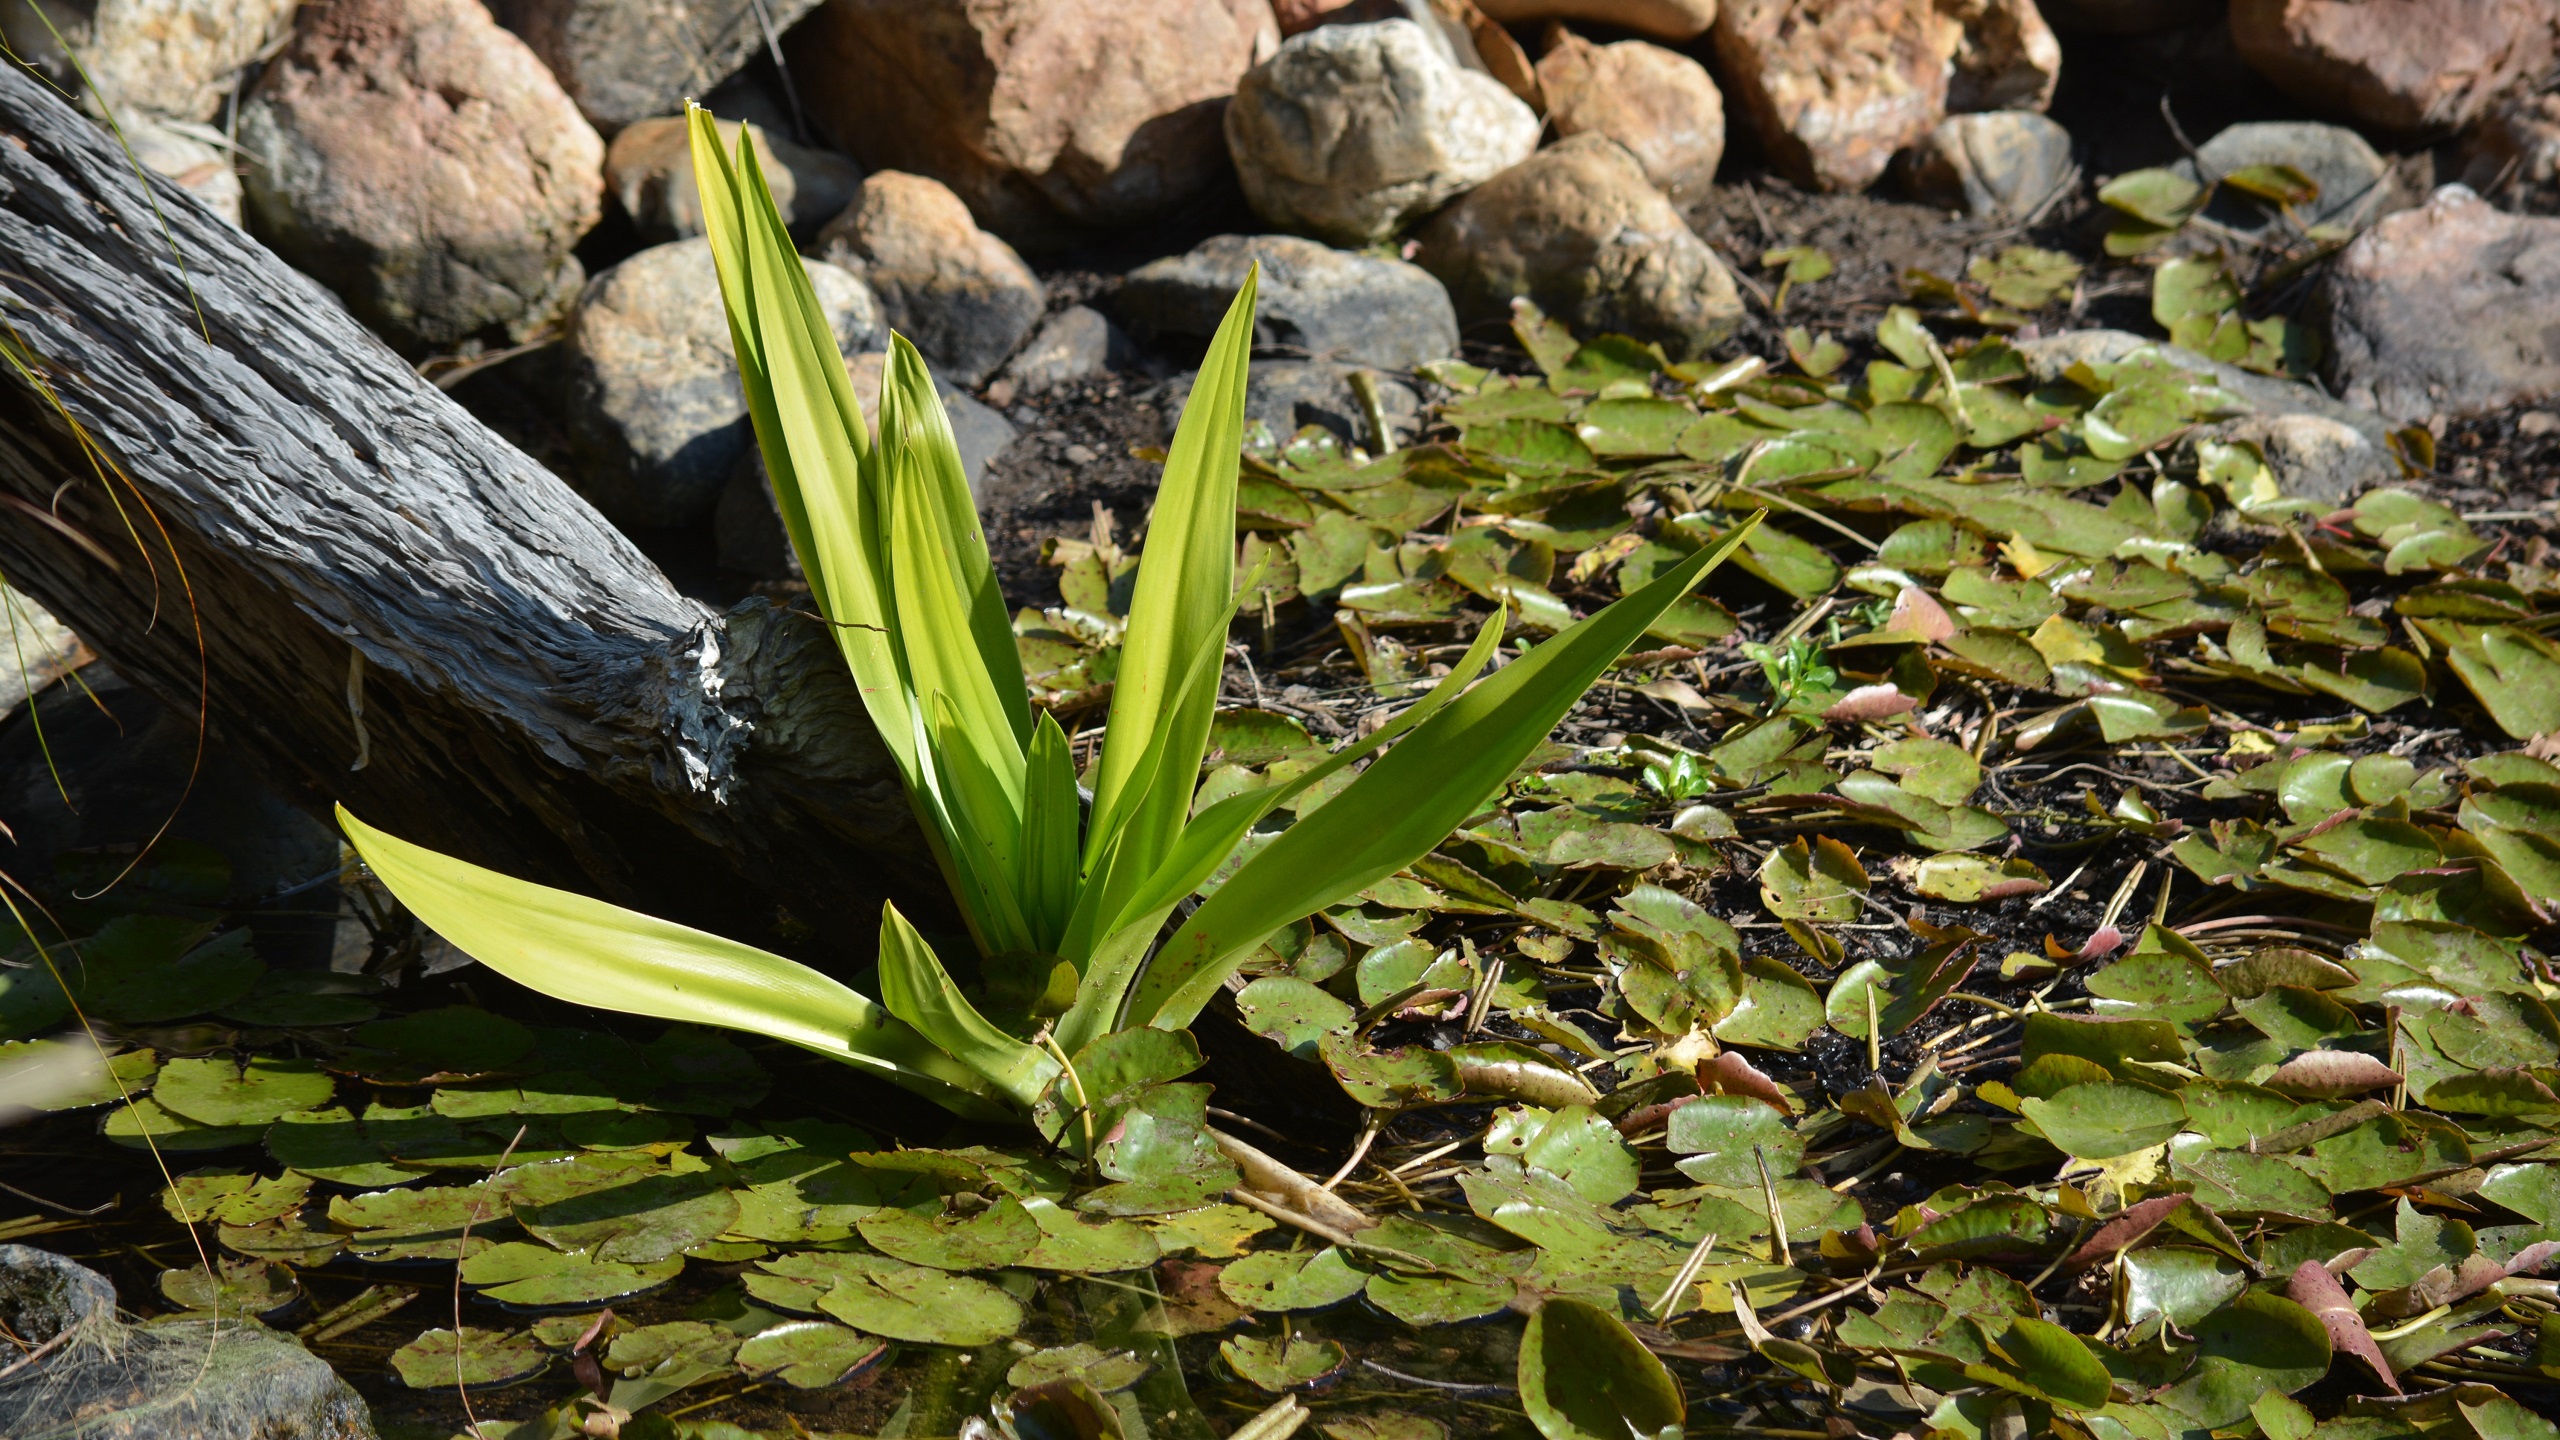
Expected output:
(233, 491)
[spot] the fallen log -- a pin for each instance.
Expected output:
(247, 503)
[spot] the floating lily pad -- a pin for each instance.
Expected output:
(142, 1122)
(1275, 1280)
(891, 1298)
(246, 1287)
(217, 1092)
(482, 1359)
(1295, 1362)
(454, 1040)
(1108, 1372)
(1583, 1376)
(809, 1354)
(641, 1221)
(144, 968)
(518, 1273)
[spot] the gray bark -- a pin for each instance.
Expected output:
(266, 491)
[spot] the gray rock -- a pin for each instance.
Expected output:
(1288, 394)
(2314, 457)
(747, 526)
(649, 169)
(1077, 343)
(959, 294)
(2001, 164)
(1578, 229)
(2445, 310)
(419, 161)
(626, 60)
(145, 59)
(1352, 131)
(2049, 355)
(1315, 302)
(201, 169)
(655, 415)
(107, 1380)
(2350, 175)
(37, 651)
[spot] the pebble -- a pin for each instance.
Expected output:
(1075, 344)
(959, 294)
(1314, 302)
(146, 59)
(649, 169)
(2000, 55)
(2351, 176)
(2001, 165)
(2537, 423)
(1660, 104)
(1833, 89)
(2445, 309)
(624, 61)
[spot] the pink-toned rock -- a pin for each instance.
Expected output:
(1661, 105)
(1833, 89)
(2403, 66)
(960, 294)
(1578, 229)
(2000, 55)
(1662, 19)
(2445, 310)
(1048, 117)
(419, 161)
(649, 168)
(2515, 152)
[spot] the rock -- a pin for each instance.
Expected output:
(1353, 131)
(1288, 394)
(2445, 310)
(38, 650)
(626, 60)
(962, 296)
(2515, 151)
(1662, 19)
(419, 161)
(1576, 229)
(1049, 117)
(2314, 457)
(206, 1380)
(1077, 343)
(1833, 90)
(649, 168)
(747, 525)
(1315, 302)
(1448, 33)
(2128, 17)
(2000, 55)
(2405, 67)
(1660, 104)
(200, 169)
(145, 59)
(2351, 177)
(1998, 165)
(2048, 356)
(655, 415)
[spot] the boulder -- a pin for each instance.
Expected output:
(1578, 229)
(747, 525)
(2353, 180)
(649, 169)
(1674, 20)
(2405, 67)
(1658, 103)
(2515, 152)
(1833, 90)
(1315, 302)
(1289, 394)
(419, 161)
(655, 415)
(1077, 343)
(2314, 457)
(962, 296)
(1050, 118)
(1352, 131)
(145, 59)
(2049, 357)
(199, 168)
(626, 60)
(2445, 309)
(227, 1379)
(39, 651)
(2000, 55)
(1998, 165)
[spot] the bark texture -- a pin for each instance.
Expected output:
(234, 492)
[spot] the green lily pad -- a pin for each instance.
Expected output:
(519, 1273)
(2107, 1118)
(143, 968)
(249, 1287)
(481, 1359)
(1383, 1425)
(71, 1074)
(1724, 1138)
(1817, 881)
(1583, 1376)
(1572, 1144)
(1961, 878)
(454, 1040)
(1106, 1371)
(1290, 1363)
(234, 1197)
(2256, 1345)
(1292, 1013)
(641, 1221)
(809, 1354)
(1274, 1280)
(143, 1122)
(1087, 1244)
(988, 1240)
(217, 1092)
(1427, 1300)
(928, 1307)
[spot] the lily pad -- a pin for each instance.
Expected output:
(642, 1221)
(1816, 881)
(518, 1273)
(1108, 1372)
(217, 1092)
(482, 1359)
(1294, 1362)
(246, 1287)
(1583, 1376)
(1275, 1280)
(891, 1298)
